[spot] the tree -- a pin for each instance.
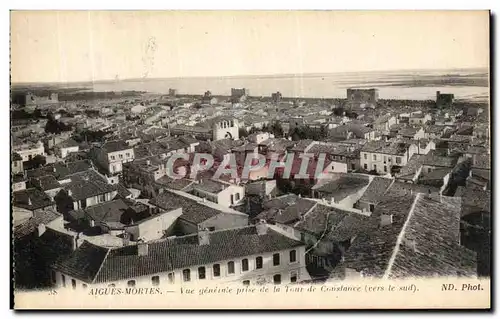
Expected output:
(35, 162)
(339, 111)
(242, 132)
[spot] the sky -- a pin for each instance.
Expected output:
(72, 46)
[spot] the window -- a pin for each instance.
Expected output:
(230, 267)
(258, 262)
(293, 276)
(353, 166)
(385, 159)
(372, 208)
(398, 160)
(244, 265)
(15, 164)
(201, 273)
(366, 156)
(232, 199)
(131, 283)
(63, 278)
(155, 280)
(102, 198)
(277, 279)
(111, 285)
(246, 282)
(293, 256)
(171, 277)
(237, 196)
(365, 166)
(186, 275)
(127, 154)
(112, 157)
(53, 276)
(84, 286)
(73, 283)
(276, 259)
(121, 156)
(374, 167)
(216, 270)
(385, 168)
(211, 228)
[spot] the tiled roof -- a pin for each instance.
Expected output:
(437, 174)
(94, 264)
(474, 200)
(115, 146)
(68, 143)
(432, 159)
(43, 217)
(302, 145)
(87, 184)
(60, 170)
(281, 202)
(123, 192)
(210, 186)
(31, 199)
(342, 185)
(111, 211)
(484, 174)
(434, 228)
(289, 214)
(482, 161)
(411, 168)
(192, 210)
(48, 182)
(378, 186)
(383, 147)
(402, 189)
(337, 224)
(177, 184)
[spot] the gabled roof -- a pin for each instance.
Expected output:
(336, 224)
(44, 217)
(60, 170)
(342, 185)
(115, 146)
(94, 264)
(31, 199)
(287, 214)
(423, 240)
(192, 210)
(378, 186)
(87, 184)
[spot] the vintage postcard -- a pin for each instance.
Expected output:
(250, 159)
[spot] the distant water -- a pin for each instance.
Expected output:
(470, 85)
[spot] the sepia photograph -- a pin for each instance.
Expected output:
(250, 159)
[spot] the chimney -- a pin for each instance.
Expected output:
(77, 241)
(411, 244)
(385, 220)
(261, 227)
(41, 229)
(148, 162)
(70, 193)
(126, 239)
(142, 248)
(203, 237)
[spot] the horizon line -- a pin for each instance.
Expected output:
(247, 75)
